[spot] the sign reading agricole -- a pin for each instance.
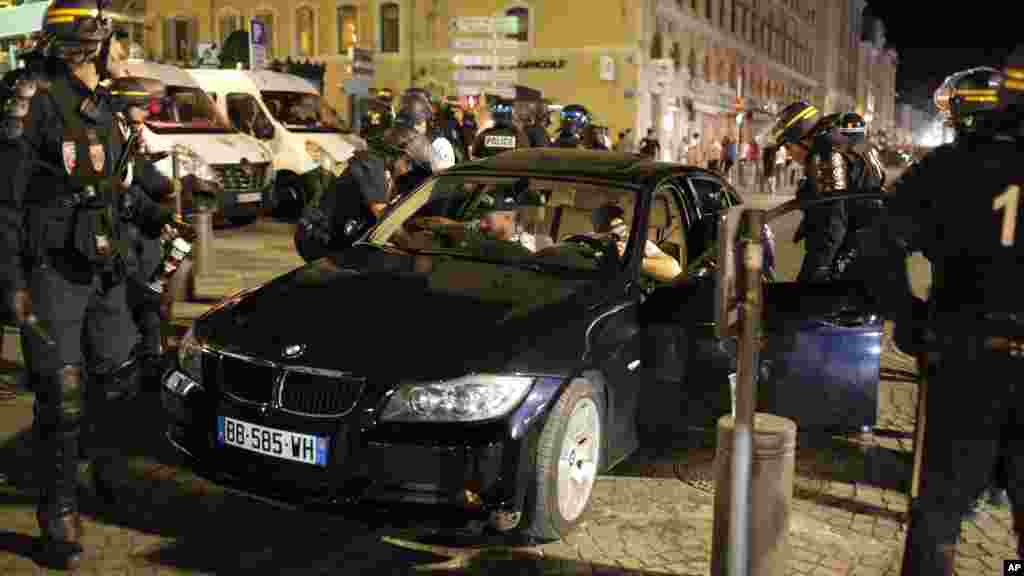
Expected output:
(528, 65)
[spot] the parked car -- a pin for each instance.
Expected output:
(432, 363)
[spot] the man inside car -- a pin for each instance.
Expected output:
(610, 220)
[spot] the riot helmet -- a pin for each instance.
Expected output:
(135, 91)
(1011, 93)
(841, 129)
(414, 108)
(502, 111)
(575, 117)
(77, 30)
(796, 122)
(964, 96)
(526, 112)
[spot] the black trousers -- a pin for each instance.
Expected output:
(972, 420)
(85, 315)
(144, 306)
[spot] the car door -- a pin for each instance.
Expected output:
(820, 360)
(615, 345)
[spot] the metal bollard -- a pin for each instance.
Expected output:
(180, 285)
(774, 455)
(203, 222)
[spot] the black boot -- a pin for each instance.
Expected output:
(925, 551)
(59, 522)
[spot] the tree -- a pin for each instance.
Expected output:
(235, 50)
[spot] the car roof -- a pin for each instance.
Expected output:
(613, 167)
(169, 75)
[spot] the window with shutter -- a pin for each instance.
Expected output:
(389, 27)
(168, 39)
(348, 24)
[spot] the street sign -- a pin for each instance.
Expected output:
(483, 25)
(362, 62)
(485, 60)
(485, 76)
(482, 44)
(257, 45)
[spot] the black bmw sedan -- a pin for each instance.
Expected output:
(481, 348)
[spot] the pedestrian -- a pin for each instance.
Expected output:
(649, 146)
(728, 156)
(971, 329)
(63, 265)
(768, 169)
(695, 156)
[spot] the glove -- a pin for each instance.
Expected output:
(21, 305)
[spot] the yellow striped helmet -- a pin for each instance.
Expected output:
(967, 93)
(83, 21)
(795, 122)
(135, 91)
(1011, 94)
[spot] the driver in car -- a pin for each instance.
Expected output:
(499, 219)
(609, 220)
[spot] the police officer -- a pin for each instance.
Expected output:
(505, 135)
(450, 127)
(529, 114)
(63, 262)
(378, 116)
(376, 178)
(830, 168)
(130, 96)
(847, 133)
(576, 130)
(417, 112)
(959, 207)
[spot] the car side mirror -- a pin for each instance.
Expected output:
(264, 130)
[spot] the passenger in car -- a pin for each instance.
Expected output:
(609, 219)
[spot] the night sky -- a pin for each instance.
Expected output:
(937, 39)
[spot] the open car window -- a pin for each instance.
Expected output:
(712, 197)
(556, 223)
(301, 112)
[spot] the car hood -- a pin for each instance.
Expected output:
(333, 143)
(382, 313)
(223, 148)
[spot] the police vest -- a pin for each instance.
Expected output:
(496, 140)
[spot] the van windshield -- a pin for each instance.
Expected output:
(301, 112)
(183, 110)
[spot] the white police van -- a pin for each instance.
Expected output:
(187, 118)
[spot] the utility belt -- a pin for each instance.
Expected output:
(81, 223)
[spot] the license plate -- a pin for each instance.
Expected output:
(498, 141)
(304, 448)
(250, 197)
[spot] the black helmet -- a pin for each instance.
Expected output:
(502, 110)
(1011, 93)
(76, 29)
(402, 141)
(135, 91)
(843, 128)
(575, 116)
(415, 107)
(966, 94)
(795, 123)
(526, 111)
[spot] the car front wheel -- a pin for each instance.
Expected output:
(568, 458)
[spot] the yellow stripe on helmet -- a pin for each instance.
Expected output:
(804, 114)
(61, 20)
(1016, 73)
(73, 12)
(1016, 85)
(128, 93)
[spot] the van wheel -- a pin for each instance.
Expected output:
(568, 458)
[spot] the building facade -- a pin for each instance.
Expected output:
(677, 66)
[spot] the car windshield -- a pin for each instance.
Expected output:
(550, 225)
(301, 112)
(184, 110)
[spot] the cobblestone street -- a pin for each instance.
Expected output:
(653, 515)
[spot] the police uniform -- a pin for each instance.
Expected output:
(959, 207)
(62, 259)
(499, 138)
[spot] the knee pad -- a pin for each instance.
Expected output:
(71, 379)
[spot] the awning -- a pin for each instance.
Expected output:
(22, 20)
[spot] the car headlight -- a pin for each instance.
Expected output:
(190, 356)
(190, 162)
(467, 399)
